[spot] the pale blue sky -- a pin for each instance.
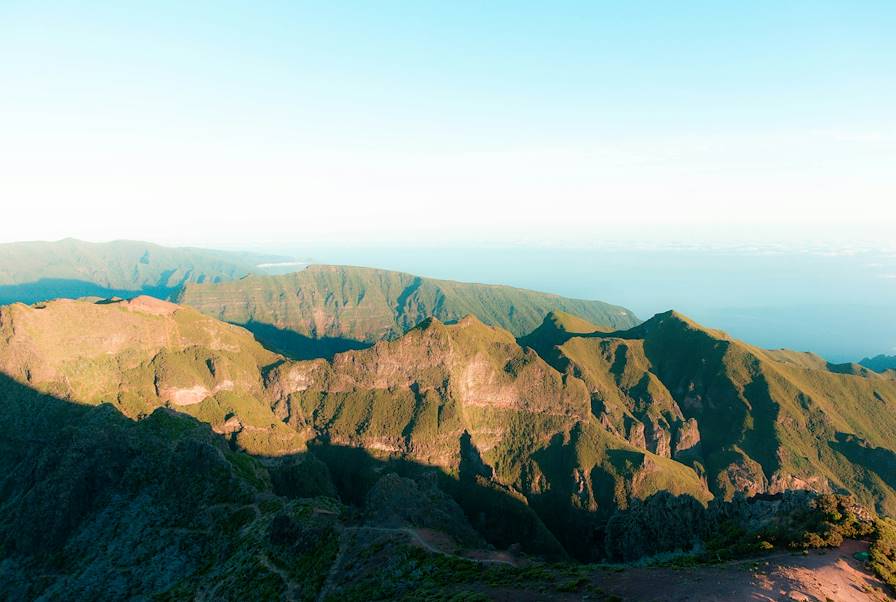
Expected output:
(444, 121)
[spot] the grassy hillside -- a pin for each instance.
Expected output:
(324, 309)
(750, 420)
(142, 354)
(536, 450)
(466, 397)
(39, 271)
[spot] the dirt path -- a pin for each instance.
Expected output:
(419, 537)
(817, 577)
(291, 588)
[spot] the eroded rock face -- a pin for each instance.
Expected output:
(745, 477)
(636, 435)
(658, 437)
(786, 482)
(687, 440)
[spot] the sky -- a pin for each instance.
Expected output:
(447, 123)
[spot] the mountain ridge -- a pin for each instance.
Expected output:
(353, 306)
(880, 363)
(42, 270)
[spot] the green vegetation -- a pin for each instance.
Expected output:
(583, 444)
(347, 306)
(883, 551)
(739, 528)
(143, 354)
(385, 569)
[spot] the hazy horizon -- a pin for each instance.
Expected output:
(734, 164)
(835, 300)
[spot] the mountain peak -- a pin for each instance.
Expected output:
(430, 324)
(673, 320)
(880, 363)
(151, 305)
(569, 323)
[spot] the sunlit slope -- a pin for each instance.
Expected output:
(363, 305)
(142, 354)
(750, 420)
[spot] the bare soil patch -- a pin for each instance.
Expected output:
(820, 576)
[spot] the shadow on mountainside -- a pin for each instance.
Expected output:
(879, 460)
(503, 519)
(47, 289)
(94, 504)
(297, 346)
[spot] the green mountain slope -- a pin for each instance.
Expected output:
(750, 420)
(94, 506)
(499, 423)
(324, 309)
(39, 271)
(537, 450)
(143, 354)
(466, 397)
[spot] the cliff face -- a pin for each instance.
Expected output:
(420, 393)
(326, 309)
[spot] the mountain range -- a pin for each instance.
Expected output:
(325, 309)
(880, 363)
(162, 447)
(40, 271)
